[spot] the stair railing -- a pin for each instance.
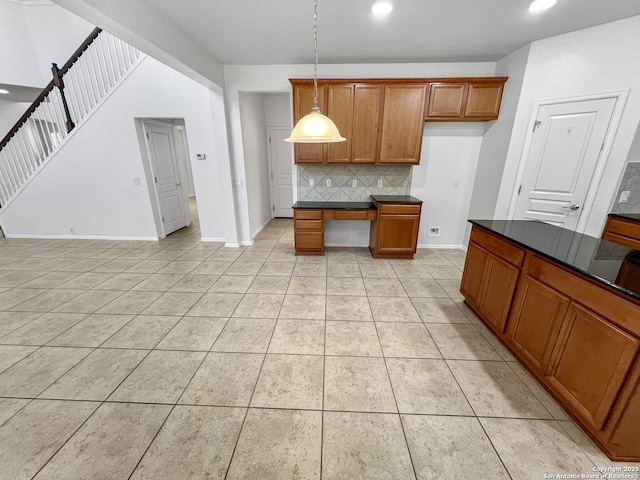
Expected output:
(76, 88)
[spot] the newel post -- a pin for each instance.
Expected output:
(57, 81)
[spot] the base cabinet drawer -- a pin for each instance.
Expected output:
(309, 243)
(308, 225)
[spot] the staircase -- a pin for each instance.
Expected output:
(76, 90)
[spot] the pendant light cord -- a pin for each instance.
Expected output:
(315, 107)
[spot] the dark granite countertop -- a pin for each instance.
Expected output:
(396, 199)
(628, 216)
(593, 257)
(335, 205)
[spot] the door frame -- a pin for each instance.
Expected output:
(157, 211)
(616, 116)
(270, 158)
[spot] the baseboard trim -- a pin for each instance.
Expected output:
(82, 237)
(212, 239)
(442, 247)
(231, 245)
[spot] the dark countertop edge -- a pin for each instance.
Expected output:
(408, 199)
(628, 216)
(573, 268)
(335, 205)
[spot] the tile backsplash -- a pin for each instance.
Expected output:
(396, 181)
(631, 183)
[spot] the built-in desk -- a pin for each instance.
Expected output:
(395, 220)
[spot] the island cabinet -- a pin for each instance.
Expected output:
(569, 321)
(570, 332)
(490, 276)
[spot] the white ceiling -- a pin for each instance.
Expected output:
(280, 31)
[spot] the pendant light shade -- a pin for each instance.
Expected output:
(315, 127)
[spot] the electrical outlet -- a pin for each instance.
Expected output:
(456, 184)
(380, 183)
(354, 183)
(328, 183)
(136, 180)
(624, 196)
(434, 232)
(312, 182)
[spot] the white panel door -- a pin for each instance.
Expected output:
(164, 165)
(281, 177)
(567, 141)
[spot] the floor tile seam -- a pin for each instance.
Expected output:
(172, 407)
(529, 389)
(24, 324)
(132, 319)
(86, 315)
(55, 310)
(454, 377)
(395, 399)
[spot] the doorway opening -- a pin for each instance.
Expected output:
(164, 147)
(268, 160)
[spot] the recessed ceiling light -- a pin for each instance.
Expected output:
(540, 5)
(382, 8)
(4, 92)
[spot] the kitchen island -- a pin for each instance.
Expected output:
(567, 305)
(395, 221)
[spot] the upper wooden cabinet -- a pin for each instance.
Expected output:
(383, 119)
(302, 103)
(355, 109)
(402, 124)
(464, 101)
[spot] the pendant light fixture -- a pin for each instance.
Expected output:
(315, 127)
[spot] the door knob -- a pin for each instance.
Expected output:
(573, 206)
(178, 184)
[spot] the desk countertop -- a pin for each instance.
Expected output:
(406, 199)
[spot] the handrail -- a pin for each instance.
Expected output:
(36, 103)
(82, 83)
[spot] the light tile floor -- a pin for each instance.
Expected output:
(179, 359)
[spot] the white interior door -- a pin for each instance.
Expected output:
(281, 176)
(567, 141)
(166, 177)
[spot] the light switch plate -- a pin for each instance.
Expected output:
(380, 183)
(328, 182)
(312, 182)
(624, 196)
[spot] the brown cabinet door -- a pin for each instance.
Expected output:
(589, 363)
(366, 123)
(302, 103)
(402, 124)
(446, 100)
(535, 321)
(397, 234)
(340, 110)
(499, 285)
(483, 100)
(474, 266)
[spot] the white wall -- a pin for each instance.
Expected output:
(275, 78)
(450, 153)
(590, 61)
(34, 36)
(10, 112)
(88, 184)
(495, 141)
(254, 142)
(277, 110)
